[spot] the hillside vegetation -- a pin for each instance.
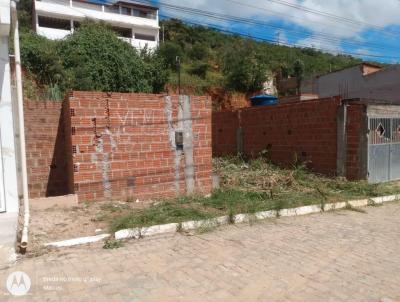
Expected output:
(215, 59)
(94, 58)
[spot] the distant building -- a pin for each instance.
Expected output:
(134, 22)
(361, 81)
(269, 86)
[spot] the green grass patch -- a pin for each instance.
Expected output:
(166, 212)
(112, 244)
(249, 187)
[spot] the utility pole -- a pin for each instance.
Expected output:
(163, 34)
(178, 64)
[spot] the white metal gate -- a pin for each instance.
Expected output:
(383, 149)
(2, 189)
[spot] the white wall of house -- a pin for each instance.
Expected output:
(8, 166)
(145, 31)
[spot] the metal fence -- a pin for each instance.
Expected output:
(383, 149)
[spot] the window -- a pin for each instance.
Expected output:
(139, 13)
(126, 10)
(54, 23)
(152, 15)
(111, 9)
(123, 32)
(145, 37)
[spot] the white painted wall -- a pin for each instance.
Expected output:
(52, 33)
(6, 117)
(79, 11)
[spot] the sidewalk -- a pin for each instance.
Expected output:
(336, 256)
(8, 235)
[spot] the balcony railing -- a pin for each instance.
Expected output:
(120, 10)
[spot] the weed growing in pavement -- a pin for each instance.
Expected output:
(111, 244)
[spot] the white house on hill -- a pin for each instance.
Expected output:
(134, 22)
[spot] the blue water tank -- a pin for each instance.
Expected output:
(263, 99)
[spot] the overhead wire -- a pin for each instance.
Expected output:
(320, 37)
(272, 41)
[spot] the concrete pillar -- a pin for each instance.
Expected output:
(184, 101)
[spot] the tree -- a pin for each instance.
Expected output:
(199, 51)
(298, 69)
(242, 69)
(24, 8)
(169, 51)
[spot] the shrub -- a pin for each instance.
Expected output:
(199, 51)
(39, 57)
(98, 60)
(200, 69)
(242, 69)
(93, 58)
(169, 51)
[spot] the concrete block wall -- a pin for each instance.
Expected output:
(47, 160)
(123, 145)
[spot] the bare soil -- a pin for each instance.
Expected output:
(85, 219)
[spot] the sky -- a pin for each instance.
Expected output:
(369, 29)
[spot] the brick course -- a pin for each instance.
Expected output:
(121, 146)
(45, 150)
(303, 131)
(354, 127)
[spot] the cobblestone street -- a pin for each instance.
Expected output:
(337, 256)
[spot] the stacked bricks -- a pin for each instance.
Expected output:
(354, 126)
(225, 125)
(45, 149)
(304, 131)
(121, 146)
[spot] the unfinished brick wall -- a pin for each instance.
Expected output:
(354, 126)
(123, 145)
(304, 131)
(225, 125)
(45, 150)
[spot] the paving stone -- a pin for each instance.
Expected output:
(335, 256)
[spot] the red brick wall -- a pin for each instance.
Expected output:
(304, 131)
(45, 149)
(122, 146)
(354, 127)
(225, 125)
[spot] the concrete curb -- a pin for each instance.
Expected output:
(244, 218)
(78, 241)
(171, 228)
